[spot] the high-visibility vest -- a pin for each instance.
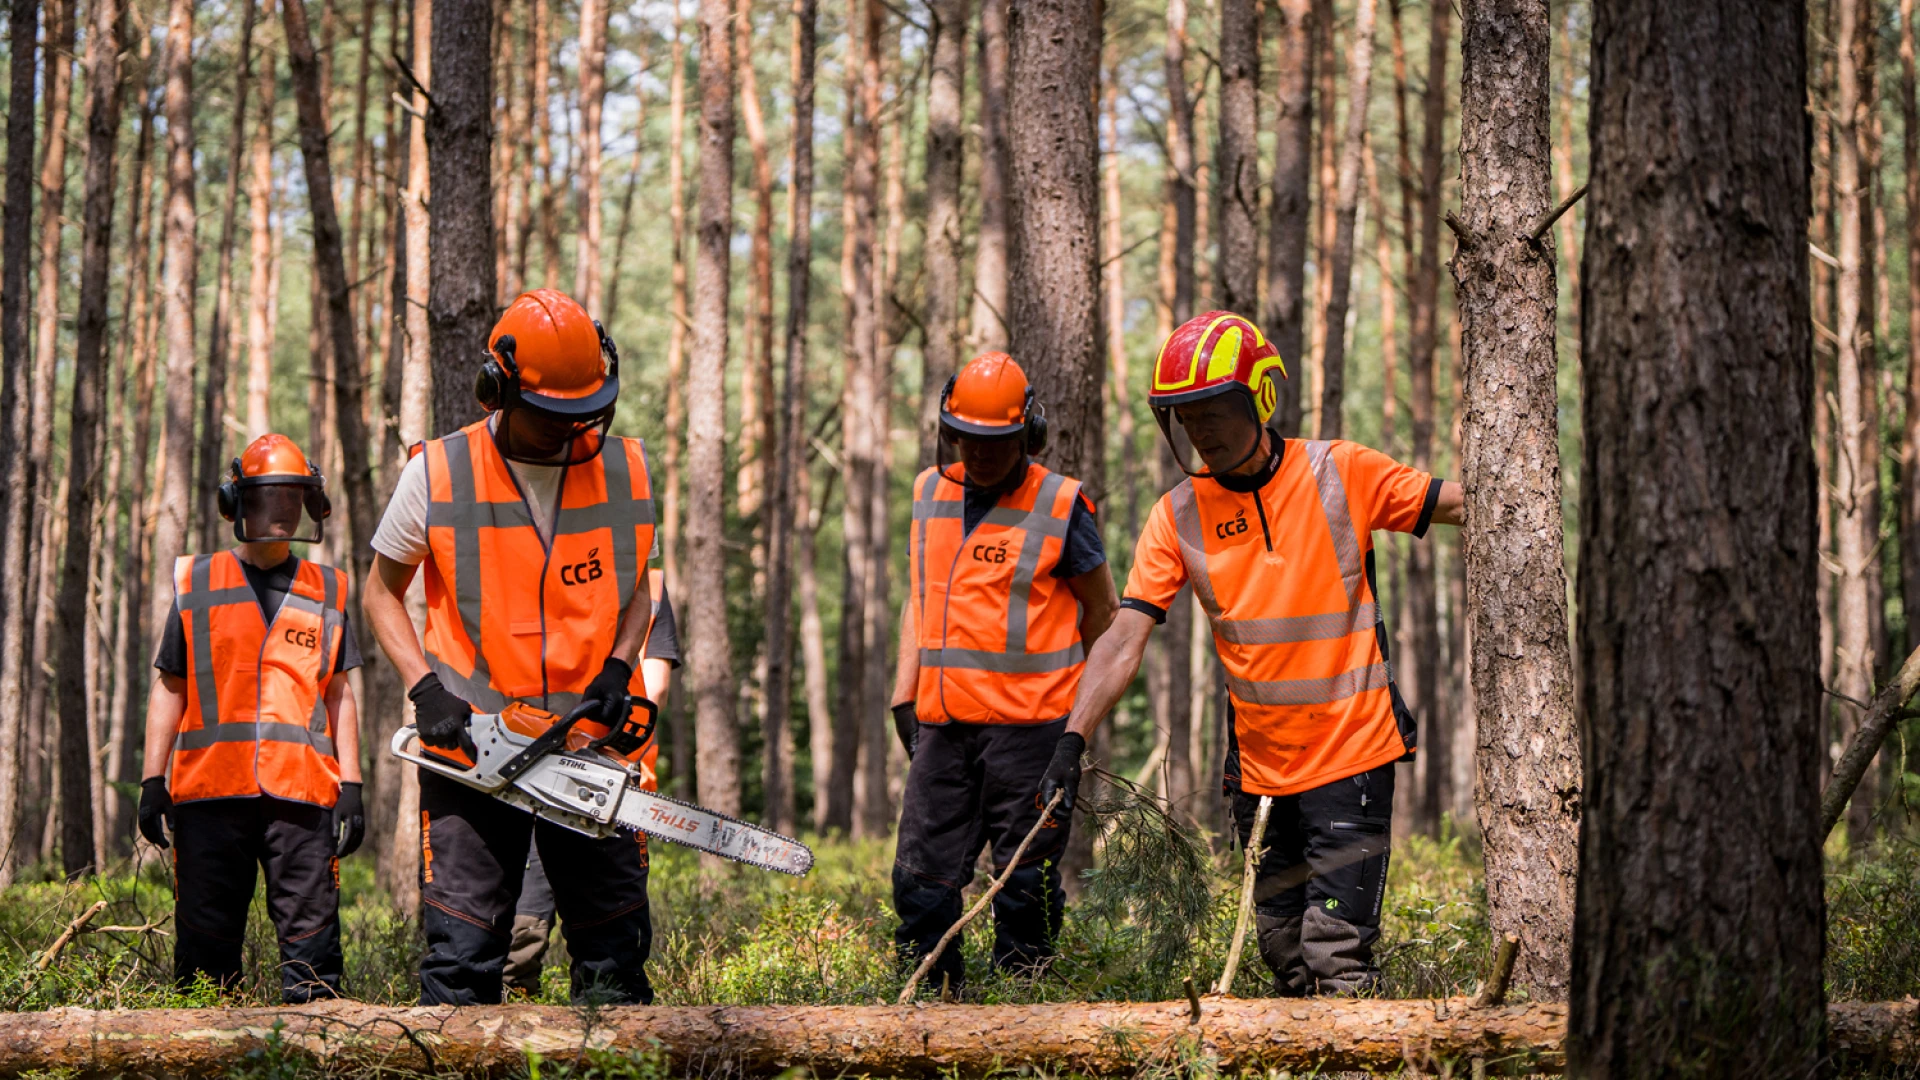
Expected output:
(999, 634)
(1305, 665)
(256, 719)
(511, 617)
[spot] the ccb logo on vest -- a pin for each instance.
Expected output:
(584, 571)
(990, 553)
(306, 639)
(1227, 530)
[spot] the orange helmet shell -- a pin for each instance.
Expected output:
(988, 398)
(273, 455)
(1213, 354)
(556, 345)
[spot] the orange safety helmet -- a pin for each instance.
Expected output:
(990, 398)
(1207, 356)
(274, 461)
(547, 353)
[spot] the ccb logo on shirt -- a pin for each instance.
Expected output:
(306, 639)
(584, 571)
(1227, 530)
(990, 553)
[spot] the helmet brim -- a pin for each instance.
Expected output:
(585, 407)
(1188, 397)
(953, 425)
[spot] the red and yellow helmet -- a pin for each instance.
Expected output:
(1217, 353)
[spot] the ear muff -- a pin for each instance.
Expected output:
(498, 383)
(227, 495)
(1036, 414)
(319, 505)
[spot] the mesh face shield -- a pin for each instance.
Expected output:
(279, 509)
(998, 456)
(1211, 436)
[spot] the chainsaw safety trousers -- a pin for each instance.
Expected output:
(473, 860)
(512, 616)
(1284, 574)
(971, 786)
(216, 845)
(999, 633)
(1319, 885)
(256, 718)
(532, 927)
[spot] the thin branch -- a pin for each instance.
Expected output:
(1822, 256)
(73, 929)
(1495, 991)
(407, 72)
(1888, 707)
(1541, 226)
(1256, 842)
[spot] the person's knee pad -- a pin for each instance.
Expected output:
(1338, 954)
(1279, 938)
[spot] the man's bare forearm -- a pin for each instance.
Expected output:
(385, 607)
(165, 706)
(1111, 666)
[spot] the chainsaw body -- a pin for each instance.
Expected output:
(531, 759)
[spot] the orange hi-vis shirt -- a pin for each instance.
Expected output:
(256, 718)
(1284, 575)
(512, 616)
(999, 634)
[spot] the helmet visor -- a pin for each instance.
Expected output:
(531, 435)
(278, 509)
(1212, 436)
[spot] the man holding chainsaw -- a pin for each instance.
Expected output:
(1010, 587)
(253, 744)
(534, 527)
(1276, 538)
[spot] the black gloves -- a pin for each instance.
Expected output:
(440, 715)
(906, 724)
(349, 820)
(609, 688)
(1063, 772)
(156, 806)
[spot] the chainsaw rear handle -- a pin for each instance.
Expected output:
(626, 737)
(552, 739)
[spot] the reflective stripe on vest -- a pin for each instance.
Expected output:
(477, 606)
(939, 499)
(1359, 614)
(231, 698)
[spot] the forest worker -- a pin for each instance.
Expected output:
(1010, 586)
(254, 719)
(1276, 537)
(535, 527)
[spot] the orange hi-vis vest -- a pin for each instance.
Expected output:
(256, 719)
(999, 634)
(511, 617)
(1295, 621)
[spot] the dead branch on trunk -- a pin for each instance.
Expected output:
(1888, 707)
(72, 931)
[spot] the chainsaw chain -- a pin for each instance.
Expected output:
(723, 817)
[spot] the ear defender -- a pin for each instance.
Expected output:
(1036, 425)
(319, 505)
(227, 496)
(499, 380)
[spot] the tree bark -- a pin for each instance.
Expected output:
(1289, 220)
(593, 94)
(459, 149)
(1114, 292)
(549, 212)
(1910, 435)
(790, 436)
(260, 263)
(1420, 662)
(210, 463)
(946, 97)
(989, 321)
(84, 437)
(1238, 267)
(1563, 177)
(717, 747)
(756, 382)
(813, 642)
(1340, 289)
(174, 485)
(23, 19)
(1699, 935)
(1528, 777)
(680, 728)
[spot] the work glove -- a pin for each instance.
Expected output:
(440, 715)
(1063, 772)
(609, 689)
(349, 820)
(156, 806)
(906, 724)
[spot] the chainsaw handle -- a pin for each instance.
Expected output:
(549, 739)
(625, 737)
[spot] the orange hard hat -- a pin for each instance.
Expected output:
(273, 455)
(273, 461)
(549, 354)
(988, 398)
(1217, 353)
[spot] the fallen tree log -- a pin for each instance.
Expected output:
(901, 1041)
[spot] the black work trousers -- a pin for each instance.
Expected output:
(974, 786)
(1319, 887)
(216, 845)
(473, 860)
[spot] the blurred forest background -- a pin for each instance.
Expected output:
(787, 295)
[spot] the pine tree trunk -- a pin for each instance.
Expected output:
(593, 94)
(1529, 752)
(1289, 218)
(813, 644)
(790, 453)
(885, 760)
(680, 718)
(211, 462)
(756, 381)
(1238, 268)
(1340, 288)
(23, 19)
(549, 211)
(1114, 290)
(1699, 929)
(1910, 437)
(459, 149)
(711, 653)
(173, 488)
(260, 262)
(945, 245)
(1420, 663)
(1326, 180)
(1563, 177)
(84, 437)
(989, 320)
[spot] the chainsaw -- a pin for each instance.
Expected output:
(530, 758)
